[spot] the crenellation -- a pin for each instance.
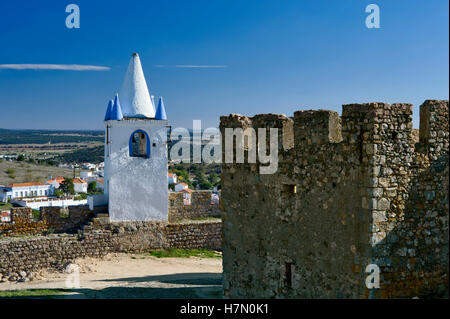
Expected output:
(433, 131)
(317, 127)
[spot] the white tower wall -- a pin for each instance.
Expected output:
(136, 187)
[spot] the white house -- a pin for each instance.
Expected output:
(187, 196)
(100, 184)
(172, 178)
(180, 186)
(56, 182)
(5, 194)
(85, 175)
(79, 185)
(24, 190)
(136, 166)
(88, 166)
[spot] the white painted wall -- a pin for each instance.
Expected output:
(97, 200)
(80, 187)
(99, 185)
(32, 191)
(4, 195)
(180, 187)
(136, 187)
(85, 175)
(51, 203)
(172, 179)
(54, 183)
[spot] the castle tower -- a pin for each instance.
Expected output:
(135, 152)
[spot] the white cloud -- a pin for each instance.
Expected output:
(69, 67)
(192, 66)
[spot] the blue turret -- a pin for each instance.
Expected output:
(108, 110)
(161, 111)
(116, 111)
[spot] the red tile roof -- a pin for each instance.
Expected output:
(58, 179)
(26, 184)
(79, 181)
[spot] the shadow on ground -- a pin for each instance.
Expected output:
(181, 279)
(136, 288)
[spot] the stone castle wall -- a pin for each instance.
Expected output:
(52, 219)
(72, 218)
(98, 236)
(31, 254)
(349, 191)
(200, 206)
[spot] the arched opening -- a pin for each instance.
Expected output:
(139, 144)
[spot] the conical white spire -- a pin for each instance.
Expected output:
(134, 97)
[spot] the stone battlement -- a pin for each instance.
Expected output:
(367, 122)
(349, 191)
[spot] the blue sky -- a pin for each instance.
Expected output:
(280, 56)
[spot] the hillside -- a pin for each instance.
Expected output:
(27, 172)
(91, 155)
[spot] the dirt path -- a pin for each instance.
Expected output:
(122, 275)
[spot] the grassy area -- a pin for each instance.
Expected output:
(32, 293)
(185, 253)
(28, 172)
(5, 205)
(186, 220)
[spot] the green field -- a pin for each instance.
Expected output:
(32, 293)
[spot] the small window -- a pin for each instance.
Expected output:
(288, 190)
(139, 144)
(288, 275)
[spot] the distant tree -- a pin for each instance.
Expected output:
(20, 158)
(182, 175)
(30, 160)
(214, 179)
(58, 193)
(202, 182)
(67, 186)
(80, 197)
(92, 187)
(10, 171)
(172, 186)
